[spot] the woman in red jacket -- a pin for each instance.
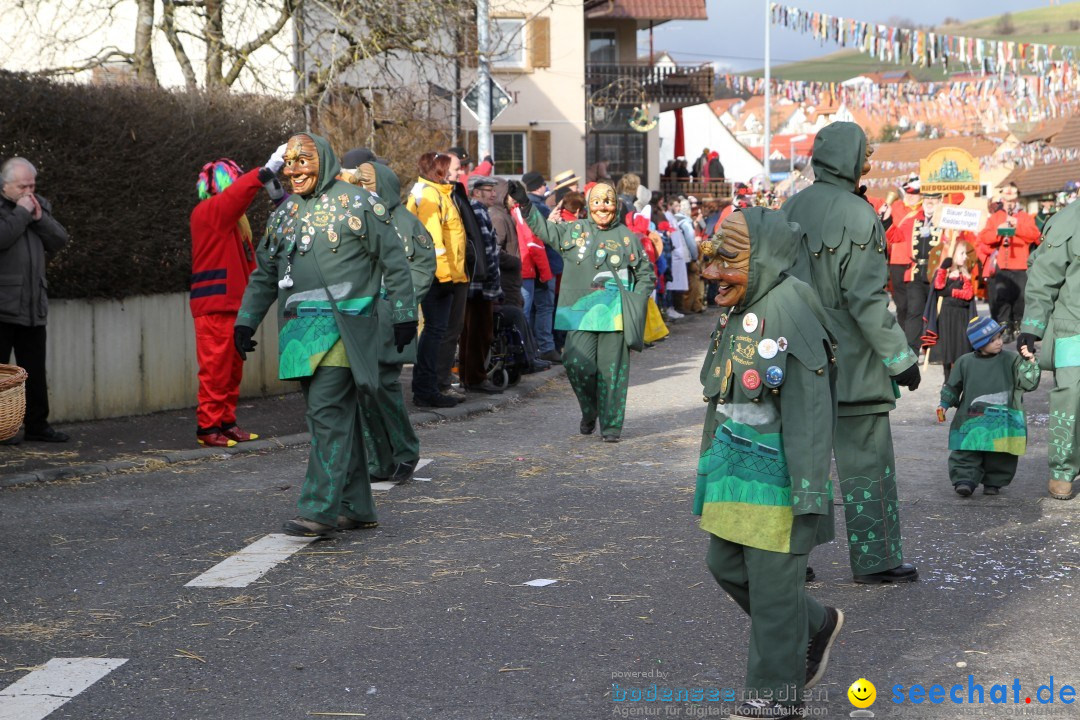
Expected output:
(534, 262)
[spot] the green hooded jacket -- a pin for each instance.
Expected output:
(988, 394)
(340, 235)
(589, 299)
(770, 381)
(846, 265)
(419, 251)
(1052, 295)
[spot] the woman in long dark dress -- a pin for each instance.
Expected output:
(951, 305)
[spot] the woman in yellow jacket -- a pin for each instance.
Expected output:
(430, 201)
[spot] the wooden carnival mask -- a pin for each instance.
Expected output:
(302, 164)
(866, 160)
(603, 206)
(729, 264)
(365, 177)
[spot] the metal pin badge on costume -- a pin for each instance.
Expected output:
(767, 348)
(751, 380)
(749, 322)
(774, 376)
(781, 343)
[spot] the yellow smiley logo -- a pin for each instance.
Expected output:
(862, 693)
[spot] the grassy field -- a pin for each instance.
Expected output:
(1049, 25)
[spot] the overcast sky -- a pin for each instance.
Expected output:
(734, 34)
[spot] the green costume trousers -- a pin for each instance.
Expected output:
(598, 367)
(1064, 451)
(770, 587)
(863, 449)
(337, 478)
(992, 469)
(389, 437)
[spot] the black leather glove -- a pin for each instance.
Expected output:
(242, 340)
(1026, 340)
(404, 332)
(521, 196)
(909, 378)
(946, 263)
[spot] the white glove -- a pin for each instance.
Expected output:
(277, 160)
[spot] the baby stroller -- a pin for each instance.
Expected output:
(506, 358)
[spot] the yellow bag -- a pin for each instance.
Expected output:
(655, 329)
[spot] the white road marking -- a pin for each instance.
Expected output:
(251, 563)
(383, 485)
(34, 696)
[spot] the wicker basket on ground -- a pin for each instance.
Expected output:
(12, 400)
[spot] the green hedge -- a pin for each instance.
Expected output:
(119, 164)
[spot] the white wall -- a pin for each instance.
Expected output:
(109, 358)
(551, 98)
(703, 129)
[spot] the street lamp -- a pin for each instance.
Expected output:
(791, 173)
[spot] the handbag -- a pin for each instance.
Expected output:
(358, 334)
(635, 308)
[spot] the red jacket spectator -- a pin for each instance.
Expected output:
(1014, 256)
(534, 262)
(222, 256)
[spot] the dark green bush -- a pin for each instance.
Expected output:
(119, 164)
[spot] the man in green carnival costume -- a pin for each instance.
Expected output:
(1052, 302)
(599, 253)
(763, 487)
(326, 255)
(393, 449)
(846, 266)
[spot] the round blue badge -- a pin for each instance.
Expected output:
(774, 376)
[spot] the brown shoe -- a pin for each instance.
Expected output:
(1061, 490)
(348, 523)
(302, 527)
(233, 432)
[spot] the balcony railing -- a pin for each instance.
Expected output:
(701, 189)
(672, 86)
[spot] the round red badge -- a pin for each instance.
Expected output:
(751, 380)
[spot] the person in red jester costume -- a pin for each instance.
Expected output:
(222, 258)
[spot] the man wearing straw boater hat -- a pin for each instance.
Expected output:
(565, 182)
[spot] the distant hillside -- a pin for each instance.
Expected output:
(1054, 25)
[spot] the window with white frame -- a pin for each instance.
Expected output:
(509, 149)
(508, 43)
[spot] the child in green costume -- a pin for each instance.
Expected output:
(763, 488)
(988, 433)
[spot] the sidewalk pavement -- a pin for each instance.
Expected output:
(145, 442)
(148, 442)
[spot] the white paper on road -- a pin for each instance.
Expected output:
(251, 563)
(389, 485)
(34, 696)
(541, 582)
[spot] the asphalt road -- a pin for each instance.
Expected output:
(429, 617)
